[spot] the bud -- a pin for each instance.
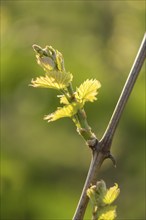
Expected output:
(101, 187)
(100, 192)
(49, 58)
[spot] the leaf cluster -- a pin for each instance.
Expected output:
(57, 78)
(101, 199)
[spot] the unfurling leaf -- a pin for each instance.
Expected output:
(107, 213)
(66, 111)
(87, 91)
(97, 192)
(49, 58)
(111, 194)
(91, 194)
(53, 79)
(63, 99)
(101, 199)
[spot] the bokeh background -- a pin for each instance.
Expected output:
(44, 166)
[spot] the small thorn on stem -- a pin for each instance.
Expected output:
(112, 159)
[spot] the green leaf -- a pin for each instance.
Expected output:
(111, 194)
(53, 79)
(59, 60)
(63, 99)
(66, 111)
(87, 91)
(107, 213)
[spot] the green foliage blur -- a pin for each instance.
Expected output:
(44, 166)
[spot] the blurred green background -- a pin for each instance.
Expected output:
(44, 166)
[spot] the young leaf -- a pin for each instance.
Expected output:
(97, 192)
(91, 193)
(53, 79)
(66, 111)
(111, 194)
(63, 99)
(87, 91)
(107, 213)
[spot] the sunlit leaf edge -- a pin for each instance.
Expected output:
(53, 79)
(87, 91)
(66, 111)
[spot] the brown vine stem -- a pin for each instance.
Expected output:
(104, 145)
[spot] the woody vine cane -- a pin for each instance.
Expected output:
(104, 145)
